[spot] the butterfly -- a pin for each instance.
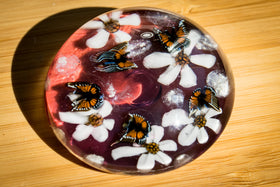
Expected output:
(115, 59)
(203, 97)
(136, 129)
(88, 96)
(175, 40)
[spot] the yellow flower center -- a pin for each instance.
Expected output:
(181, 58)
(112, 26)
(95, 120)
(152, 148)
(200, 121)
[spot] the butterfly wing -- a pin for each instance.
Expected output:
(137, 129)
(211, 99)
(120, 50)
(108, 67)
(106, 56)
(181, 39)
(143, 129)
(176, 40)
(81, 105)
(115, 59)
(194, 102)
(121, 57)
(205, 97)
(90, 96)
(113, 54)
(164, 38)
(126, 65)
(182, 31)
(113, 67)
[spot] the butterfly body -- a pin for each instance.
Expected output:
(115, 60)
(136, 129)
(203, 97)
(89, 96)
(175, 40)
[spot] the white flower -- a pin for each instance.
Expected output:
(95, 159)
(110, 25)
(219, 82)
(90, 122)
(178, 63)
(195, 126)
(151, 152)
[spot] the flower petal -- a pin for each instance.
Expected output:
(104, 17)
(204, 60)
(170, 74)
(87, 113)
(127, 151)
(99, 40)
(72, 117)
(132, 19)
(82, 132)
(194, 36)
(163, 158)
(96, 159)
(121, 36)
(73, 97)
(188, 129)
(176, 117)
(214, 124)
(156, 134)
(106, 109)
(93, 25)
(146, 162)
(188, 135)
(211, 112)
(167, 145)
(188, 77)
(158, 60)
(116, 15)
(202, 136)
(202, 111)
(109, 123)
(100, 133)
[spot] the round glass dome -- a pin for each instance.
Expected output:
(139, 91)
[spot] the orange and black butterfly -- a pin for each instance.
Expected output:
(203, 97)
(89, 96)
(136, 130)
(175, 40)
(115, 59)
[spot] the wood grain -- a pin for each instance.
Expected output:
(247, 153)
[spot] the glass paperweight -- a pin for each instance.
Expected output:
(139, 91)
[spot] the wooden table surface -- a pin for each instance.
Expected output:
(246, 154)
